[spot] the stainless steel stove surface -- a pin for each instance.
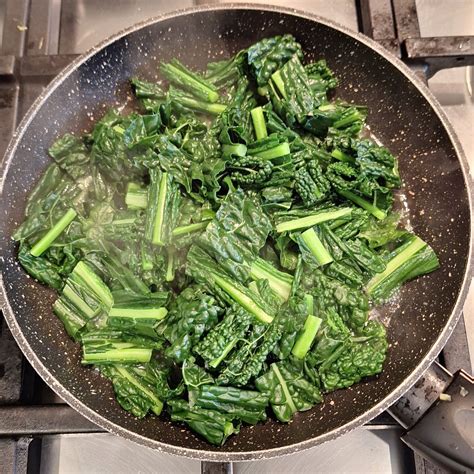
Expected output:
(70, 27)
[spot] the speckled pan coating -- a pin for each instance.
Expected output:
(403, 114)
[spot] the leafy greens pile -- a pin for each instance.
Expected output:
(218, 252)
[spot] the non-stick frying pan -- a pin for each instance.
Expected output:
(403, 115)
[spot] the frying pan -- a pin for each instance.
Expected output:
(403, 115)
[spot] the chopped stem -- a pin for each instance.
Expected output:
(306, 338)
(347, 120)
(117, 355)
(73, 322)
(45, 242)
(341, 156)
(259, 123)
(157, 237)
(147, 259)
(136, 197)
(309, 301)
(395, 263)
(207, 214)
(228, 428)
(375, 211)
(158, 404)
(241, 298)
(94, 283)
(279, 282)
(215, 108)
(192, 83)
(316, 247)
(214, 363)
(129, 221)
(138, 313)
(190, 228)
(282, 149)
(310, 221)
(170, 266)
(277, 79)
(288, 397)
(227, 180)
(78, 302)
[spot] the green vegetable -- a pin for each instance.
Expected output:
(193, 377)
(354, 358)
(238, 149)
(71, 155)
(162, 208)
(204, 269)
(211, 424)
(248, 360)
(379, 233)
(72, 319)
(374, 210)
(236, 234)
(316, 247)
(246, 405)
(112, 347)
(136, 387)
(288, 390)
(311, 184)
(40, 268)
(53, 233)
(269, 148)
(310, 329)
(136, 197)
(259, 123)
(84, 297)
(269, 54)
(314, 219)
(83, 275)
(321, 78)
(218, 245)
(291, 93)
(415, 258)
(280, 282)
(125, 384)
(248, 171)
(193, 313)
(139, 319)
(304, 341)
(222, 338)
(178, 74)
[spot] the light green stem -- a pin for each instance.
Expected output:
(45, 242)
(259, 123)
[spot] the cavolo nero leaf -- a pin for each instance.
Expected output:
(193, 313)
(288, 389)
(236, 234)
(211, 424)
(269, 54)
(246, 405)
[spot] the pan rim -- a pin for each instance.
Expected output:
(282, 450)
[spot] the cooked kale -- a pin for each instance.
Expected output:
(217, 251)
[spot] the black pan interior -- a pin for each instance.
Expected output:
(399, 115)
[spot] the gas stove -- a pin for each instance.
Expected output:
(38, 38)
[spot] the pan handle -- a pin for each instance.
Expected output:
(438, 412)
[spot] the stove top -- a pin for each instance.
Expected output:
(39, 433)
